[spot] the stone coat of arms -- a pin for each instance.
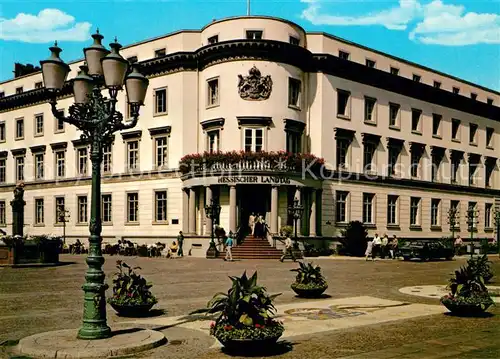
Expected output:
(255, 87)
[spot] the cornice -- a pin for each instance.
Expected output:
(18, 152)
(285, 53)
(38, 148)
(164, 130)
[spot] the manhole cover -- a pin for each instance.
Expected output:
(176, 342)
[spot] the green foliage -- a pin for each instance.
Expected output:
(246, 304)
(481, 266)
(225, 332)
(355, 238)
(286, 231)
(309, 275)
(41, 240)
(129, 288)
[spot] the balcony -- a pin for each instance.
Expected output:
(246, 162)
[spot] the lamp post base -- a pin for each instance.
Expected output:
(212, 252)
(94, 333)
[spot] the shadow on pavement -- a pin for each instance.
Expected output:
(280, 348)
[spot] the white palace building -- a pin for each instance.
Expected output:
(254, 112)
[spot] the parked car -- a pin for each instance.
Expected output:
(426, 250)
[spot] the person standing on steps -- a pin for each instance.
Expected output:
(229, 246)
(288, 250)
(251, 223)
(180, 242)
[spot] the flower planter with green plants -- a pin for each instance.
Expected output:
(468, 295)
(309, 282)
(131, 293)
(244, 316)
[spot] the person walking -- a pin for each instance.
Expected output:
(369, 250)
(458, 245)
(251, 223)
(288, 250)
(229, 246)
(393, 247)
(180, 242)
(377, 243)
(384, 246)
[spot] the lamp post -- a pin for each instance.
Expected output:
(295, 211)
(497, 224)
(472, 217)
(212, 211)
(63, 215)
(96, 116)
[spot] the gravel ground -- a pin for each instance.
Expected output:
(42, 299)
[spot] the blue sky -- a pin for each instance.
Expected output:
(459, 37)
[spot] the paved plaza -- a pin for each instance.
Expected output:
(381, 309)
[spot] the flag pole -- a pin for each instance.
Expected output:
(248, 7)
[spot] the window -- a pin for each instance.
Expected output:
(19, 129)
(213, 92)
(39, 125)
(60, 163)
(213, 39)
(455, 166)
(160, 101)
(416, 78)
(161, 152)
(38, 85)
(489, 101)
(472, 133)
(19, 168)
(3, 170)
(436, 125)
(344, 55)
(415, 119)
(437, 84)
(341, 207)
(132, 207)
(254, 35)
(132, 59)
(436, 163)
(369, 149)
(488, 171)
(394, 115)
(472, 173)
(294, 87)
(394, 71)
(59, 122)
(414, 211)
(473, 96)
(435, 212)
(392, 210)
(370, 63)
(489, 136)
(472, 216)
(393, 157)
(3, 220)
(106, 158)
(60, 214)
(488, 214)
(82, 209)
(39, 166)
(415, 162)
(456, 90)
(368, 207)
(133, 155)
(2, 94)
(106, 209)
(293, 141)
(160, 206)
(455, 129)
(455, 210)
(82, 158)
(19, 90)
(342, 148)
(39, 211)
(343, 103)
(294, 41)
(2, 131)
(213, 138)
(254, 139)
(370, 111)
(160, 52)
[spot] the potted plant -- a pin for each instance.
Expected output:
(309, 282)
(131, 293)
(468, 294)
(481, 266)
(244, 316)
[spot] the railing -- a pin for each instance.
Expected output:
(242, 166)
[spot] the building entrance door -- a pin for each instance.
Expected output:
(254, 199)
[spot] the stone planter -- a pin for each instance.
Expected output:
(139, 310)
(308, 292)
(465, 310)
(249, 345)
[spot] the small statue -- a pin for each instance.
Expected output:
(19, 192)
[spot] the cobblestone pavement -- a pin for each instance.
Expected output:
(33, 300)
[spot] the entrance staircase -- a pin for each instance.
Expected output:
(255, 248)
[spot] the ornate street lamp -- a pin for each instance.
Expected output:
(212, 211)
(96, 116)
(296, 211)
(472, 218)
(497, 223)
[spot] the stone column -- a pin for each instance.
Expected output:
(192, 211)
(232, 208)
(274, 209)
(298, 195)
(312, 218)
(208, 198)
(185, 210)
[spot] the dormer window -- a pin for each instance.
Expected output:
(254, 34)
(213, 39)
(38, 85)
(132, 59)
(19, 90)
(294, 40)
(456, 90)
(160, 52)
(416, 78)
(473, 96)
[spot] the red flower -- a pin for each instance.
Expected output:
(212, 324)
(257, 325)
(228, 327)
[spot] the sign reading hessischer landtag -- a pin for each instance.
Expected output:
(255, 179)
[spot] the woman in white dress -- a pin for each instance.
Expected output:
(369, 250)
